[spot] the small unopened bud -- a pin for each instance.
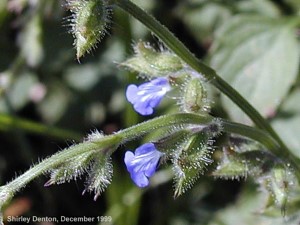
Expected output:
(100, 175)
(153, 63)
(232, 165)
(89, 23)
(190, 161)
(279, 184)
(170, 139)
(71, 169)
(90, 163)
(195, 97)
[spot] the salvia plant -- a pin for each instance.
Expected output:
(190, 139)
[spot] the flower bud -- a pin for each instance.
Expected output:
(71, 169)
(232, 165)
(152, 63)
(194, 97)
(89, 23)
(169, 140)
(94, 163)
(235, 165)
(279, 183)
(191, 161)
(100, 175)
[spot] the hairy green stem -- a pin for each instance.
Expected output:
(7, 191)
(197, 119)
(179, 48)
(163, 121)
(259, 135)
(103, 143)
(112, 141)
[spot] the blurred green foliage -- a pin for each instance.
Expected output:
(251, 43)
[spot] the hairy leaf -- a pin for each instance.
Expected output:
(259, 57)
(202, 19)
(287, 124)
(30, 41)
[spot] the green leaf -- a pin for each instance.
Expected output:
(202, 19)
(262, 7)
(18, 94)
(247, 210)
(31, 41)
(55, 104)
(288, 123)
(82, 77)
(289, 130)
(259, 57)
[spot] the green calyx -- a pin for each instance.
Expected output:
(194, 96)
(99, 175)
(168, 140)
(153, 63)
(269, 172)
(232, 165)
(190, 161)
(70, 169)
(89, 23)
(280, 183)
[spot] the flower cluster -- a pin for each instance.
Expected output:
(159, 68)
(143, 163)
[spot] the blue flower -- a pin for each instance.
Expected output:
(142, 164)
(148, 95)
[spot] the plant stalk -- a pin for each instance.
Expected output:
(211, 76)
(112, 141)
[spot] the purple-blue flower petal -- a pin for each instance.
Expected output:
(140, 179)
(131, 93)
(144, 149)
(148, 95)
(142, 164)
